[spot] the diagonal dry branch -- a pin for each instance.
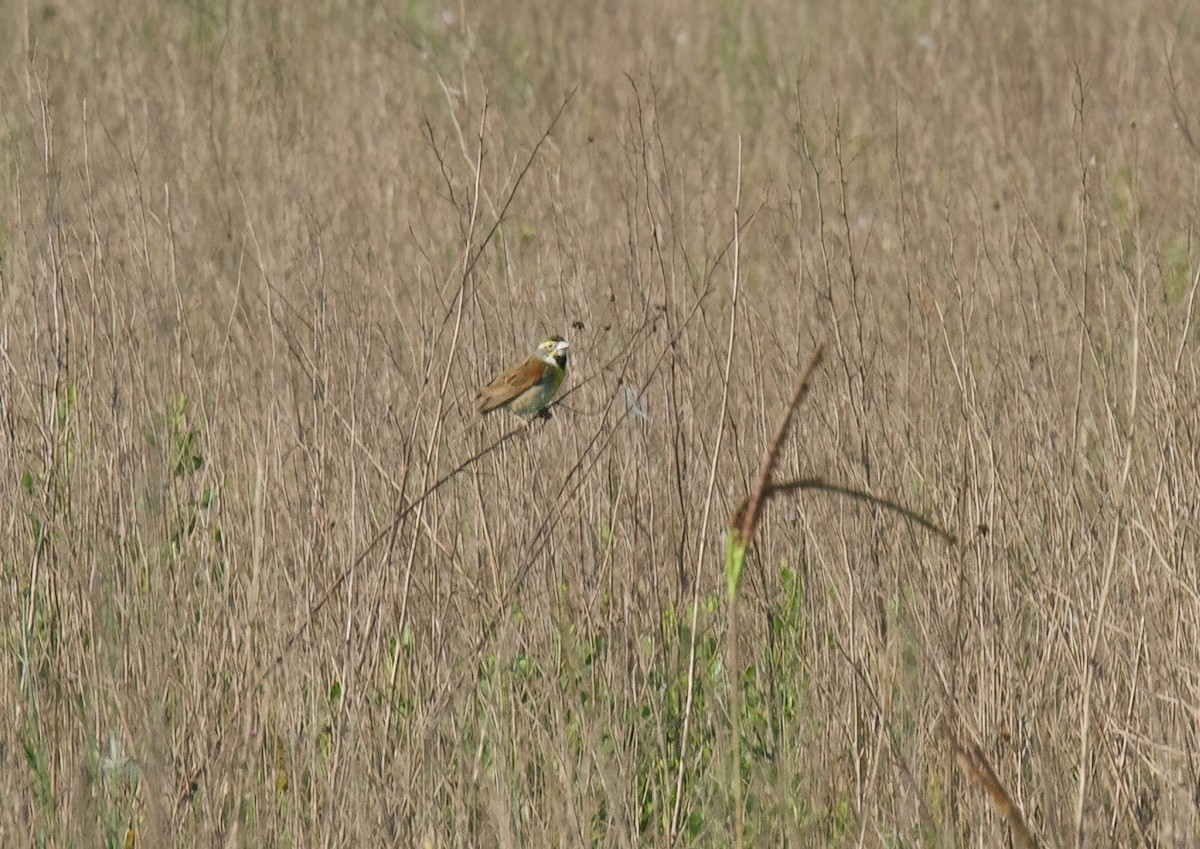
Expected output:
(976, 765)
(746, 519)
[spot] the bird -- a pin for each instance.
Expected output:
(527, 388)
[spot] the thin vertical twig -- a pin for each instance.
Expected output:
(707, 511)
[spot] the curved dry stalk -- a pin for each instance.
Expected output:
(820, 484)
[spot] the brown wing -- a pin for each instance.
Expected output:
(509, 385)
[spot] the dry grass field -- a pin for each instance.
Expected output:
(269, 580)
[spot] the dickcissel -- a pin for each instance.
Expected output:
(526, 389)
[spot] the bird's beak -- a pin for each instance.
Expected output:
(563, 344)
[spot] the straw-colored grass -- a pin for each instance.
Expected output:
(270, 581)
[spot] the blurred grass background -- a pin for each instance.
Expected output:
(256, 259)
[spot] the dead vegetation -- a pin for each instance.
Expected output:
(269, 581)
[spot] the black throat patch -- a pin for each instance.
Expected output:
(561, 359)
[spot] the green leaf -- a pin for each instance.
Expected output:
(735, 561)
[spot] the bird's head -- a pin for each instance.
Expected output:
(554, 350)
